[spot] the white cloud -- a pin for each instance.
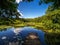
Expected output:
(17, 30)
(4, 37)
(20, 12)
(18, 1)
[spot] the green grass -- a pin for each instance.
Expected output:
(4, 27)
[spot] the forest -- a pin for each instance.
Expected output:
(49, 23)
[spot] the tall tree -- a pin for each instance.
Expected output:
(55, 4)
(8, 8)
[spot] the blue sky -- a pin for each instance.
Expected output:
(32, 9)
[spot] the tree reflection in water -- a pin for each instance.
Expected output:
(32, 39)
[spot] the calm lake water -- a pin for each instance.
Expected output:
(15, 36)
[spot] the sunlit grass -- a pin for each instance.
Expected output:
(4, 26)
(39, 26)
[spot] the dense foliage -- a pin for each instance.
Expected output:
(8, 9)
(50, 22)
(54, 4)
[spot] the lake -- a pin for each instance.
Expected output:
(16, 36)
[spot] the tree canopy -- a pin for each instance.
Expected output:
(55, 4)
(8, 4)
(8, 8)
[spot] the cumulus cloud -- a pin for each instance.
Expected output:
(18, 1)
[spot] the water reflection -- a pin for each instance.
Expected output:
(8, 37)
(15, 40)
(12, 36)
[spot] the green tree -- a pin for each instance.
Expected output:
(8, 8)
(54, 4)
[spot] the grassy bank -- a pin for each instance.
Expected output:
(4, 27)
